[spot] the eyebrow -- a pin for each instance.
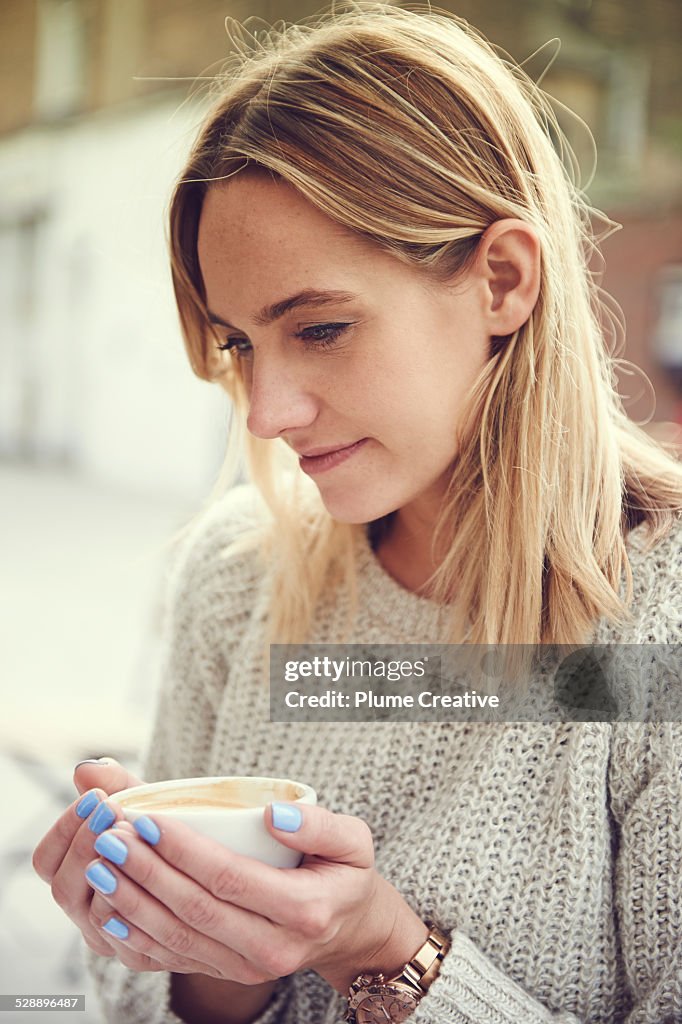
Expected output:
(275, 311)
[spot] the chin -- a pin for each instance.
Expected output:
(357, 508)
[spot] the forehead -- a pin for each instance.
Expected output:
(260, 241)
(254, 217)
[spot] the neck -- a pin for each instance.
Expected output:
(404, 549)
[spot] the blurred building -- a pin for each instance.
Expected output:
(615, 76)
(97, 108)
(92, 369)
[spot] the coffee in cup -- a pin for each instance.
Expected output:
(226, 809)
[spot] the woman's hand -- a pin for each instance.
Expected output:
(61, 856)
(186, 903)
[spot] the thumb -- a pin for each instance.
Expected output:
(103, 773)
(341, 838)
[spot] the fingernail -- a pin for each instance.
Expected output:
(87, 804)
(102, 878)
(111, 847)
(101, 819)
(88, 760)
(146, 828)
(286, 817)
(116, 928)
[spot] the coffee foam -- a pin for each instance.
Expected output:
(233, 794)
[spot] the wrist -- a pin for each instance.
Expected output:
(385, 939)
(408, 932)
(375, 997)
(205, 1000)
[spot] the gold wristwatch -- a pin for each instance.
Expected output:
(375, 999)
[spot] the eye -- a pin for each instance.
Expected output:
(315, 336)
(322, 335)
(240, 346)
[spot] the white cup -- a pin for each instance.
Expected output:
(228, 809)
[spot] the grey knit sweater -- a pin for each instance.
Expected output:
(551, 854)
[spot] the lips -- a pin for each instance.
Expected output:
(318, 460)
(313, 453)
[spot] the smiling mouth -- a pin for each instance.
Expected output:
(321, 459)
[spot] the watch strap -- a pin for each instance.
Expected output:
(424, 966)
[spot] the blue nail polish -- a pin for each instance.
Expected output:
(87, 804)
(116, 928)
(111, 847)
(286, 817)
(102, 878)
(146, 828)
(101, 819)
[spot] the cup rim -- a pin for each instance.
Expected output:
(307, 796)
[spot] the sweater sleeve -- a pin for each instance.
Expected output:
(646, 800)
(471, 989)
(645, 786)
(193, 673)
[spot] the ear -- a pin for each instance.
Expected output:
(508, 263)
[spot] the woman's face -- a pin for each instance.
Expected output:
(367, 387)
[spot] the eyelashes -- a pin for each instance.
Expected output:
(326, 336)
(234, 345)
(319, 336)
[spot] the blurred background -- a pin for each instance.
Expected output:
(107, 441)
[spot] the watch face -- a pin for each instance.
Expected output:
(386, 1004)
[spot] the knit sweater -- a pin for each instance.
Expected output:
(551, 855)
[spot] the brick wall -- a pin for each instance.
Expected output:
(17, 55)
(633, 258)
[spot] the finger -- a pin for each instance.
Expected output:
(53, 847)
(318, 832)
(132, 946)
(154, 931)
(104, 773)
(68, 839)
(69, 888)
(272, 893)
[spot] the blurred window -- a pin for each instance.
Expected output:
(19, 370)
(60, 58)
(610, 94)
(667, 338)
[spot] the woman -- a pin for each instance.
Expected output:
(377, 251)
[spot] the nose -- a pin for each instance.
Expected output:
(279, 399)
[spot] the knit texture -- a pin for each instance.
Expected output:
(551, 854)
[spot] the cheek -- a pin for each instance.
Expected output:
(426, 423)
(353, 387)
(429, 397)
(451, 383)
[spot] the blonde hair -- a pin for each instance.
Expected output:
(404, 124)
